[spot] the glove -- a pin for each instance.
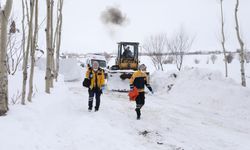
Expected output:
(152, 92)
(103, 88)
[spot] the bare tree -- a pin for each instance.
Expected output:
(48, 77)
(179, 44)
(223, 38)
(58, 35)
(4, 18)
(33, 49)
(242, 61)
(14, 53)
(28, 47)
(23, 30)
(156, 47)
(52, 47)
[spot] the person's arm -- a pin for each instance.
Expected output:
(148, 85)
(103, 79)
(131, 81)
(87, 74)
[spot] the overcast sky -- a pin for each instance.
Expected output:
(84, 31)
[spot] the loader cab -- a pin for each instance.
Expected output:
(127, 57)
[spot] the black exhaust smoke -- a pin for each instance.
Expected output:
(113, 16)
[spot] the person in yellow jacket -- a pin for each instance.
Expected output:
(139, 79)
(96, 88)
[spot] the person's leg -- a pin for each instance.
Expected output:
(139, 103)
(98, 99)
(142, 94)
(91, 97)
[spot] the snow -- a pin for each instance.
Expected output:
(201, 111)
(114, 82)
(69, 68)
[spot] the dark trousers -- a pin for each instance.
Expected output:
(140, 101)
(97, 93)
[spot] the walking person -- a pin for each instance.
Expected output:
(96, 76)
(139, 79)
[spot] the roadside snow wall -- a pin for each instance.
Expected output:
(69, 68)
(204, 88)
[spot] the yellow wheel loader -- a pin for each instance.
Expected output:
(126, 64)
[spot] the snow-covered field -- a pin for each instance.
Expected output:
(197, 110)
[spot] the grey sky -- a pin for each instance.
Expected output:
(83, 30)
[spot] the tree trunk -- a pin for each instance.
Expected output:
(33, 49)
(223, 38)
(29, 46)
(4, 17)
(49, 49)
(243, 78)
(58, 42)
(51, 43)
(23, 30)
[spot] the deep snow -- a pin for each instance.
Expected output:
(202, 111)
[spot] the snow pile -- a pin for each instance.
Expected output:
(204, 88)
(162, 81)
(41, 63)
(212, 91)
(207, 89)
(69, 68)
(15, 84)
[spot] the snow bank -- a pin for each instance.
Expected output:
(162, 81)
(213, 91)
(69, 68)
(205, 88)
(15, 84)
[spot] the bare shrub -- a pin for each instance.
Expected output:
(247, 57)
(156, 47)
(169, 60)
(213, 58)
(196, 61)
(229, 58)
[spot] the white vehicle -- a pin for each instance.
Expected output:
(99, 58)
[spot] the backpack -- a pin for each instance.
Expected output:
(87, 82)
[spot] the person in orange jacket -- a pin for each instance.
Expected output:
(139, 79)
(97, 82)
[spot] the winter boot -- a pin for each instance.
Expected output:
(138, 112)
(89, 109)
(96, 109)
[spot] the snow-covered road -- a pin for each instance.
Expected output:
(166, 124)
